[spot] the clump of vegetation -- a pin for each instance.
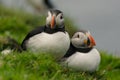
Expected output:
(31, 66)
(28, 66)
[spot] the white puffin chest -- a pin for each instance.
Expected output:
(84, 61)
(55, 43)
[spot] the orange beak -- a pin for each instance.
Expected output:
(92, 41)
(52, 24)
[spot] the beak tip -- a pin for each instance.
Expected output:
(92, 41)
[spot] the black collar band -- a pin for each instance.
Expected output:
(51, 31)
(83, 50)
(73, 49)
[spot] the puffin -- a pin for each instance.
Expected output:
(82, 55)
(41, 5)
(49, 38)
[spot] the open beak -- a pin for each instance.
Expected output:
(52, 24)
(92, 41)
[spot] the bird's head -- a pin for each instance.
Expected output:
(83, 39)
(55, 19)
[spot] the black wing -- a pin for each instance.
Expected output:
(30, 34)
(49, 4)
(70, 51)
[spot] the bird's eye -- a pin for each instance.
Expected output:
(61, 17)
(78, 36)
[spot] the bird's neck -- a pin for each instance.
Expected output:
(57, 29)
(73, 49)
(83, 50)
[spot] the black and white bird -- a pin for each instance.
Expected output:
(82, 56)
(41, 5)
(51, 37)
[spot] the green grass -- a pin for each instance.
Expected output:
(27, 66)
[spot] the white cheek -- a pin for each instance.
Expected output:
(82, 38)
(62, 20)
(76, 42)
(48, 19)
(58, 20)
